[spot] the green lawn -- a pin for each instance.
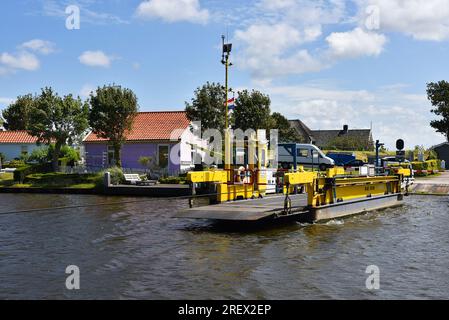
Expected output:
(6, 179)
(51, 180)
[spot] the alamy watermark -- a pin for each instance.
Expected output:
(212, 147)
(73, 20)
(373, 280)
(372, 20)
(72, 282)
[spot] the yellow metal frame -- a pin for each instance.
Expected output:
(217, 176)
(332, 188)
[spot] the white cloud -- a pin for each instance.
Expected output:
(421, 19)
(22, 60)
(173, 10)
(277, 41)
(95, 59)
(394, 113)
(56, 8)
(272, 50)
(356, 43)
(303, 12)
(6, 101)
(39, 46)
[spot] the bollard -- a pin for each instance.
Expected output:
(107, 179)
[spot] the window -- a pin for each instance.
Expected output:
(302, 153)
(111, 155)
(24, 150)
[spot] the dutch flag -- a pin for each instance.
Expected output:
(231, 104)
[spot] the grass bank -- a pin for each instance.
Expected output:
(51, 181)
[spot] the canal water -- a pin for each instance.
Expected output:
(136, 251)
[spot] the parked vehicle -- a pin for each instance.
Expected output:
(341, 158)
(307, 155)
(354, 164)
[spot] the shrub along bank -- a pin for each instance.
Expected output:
(424, 168)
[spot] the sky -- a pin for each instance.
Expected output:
(364, 63)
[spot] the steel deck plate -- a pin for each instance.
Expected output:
(245, 210)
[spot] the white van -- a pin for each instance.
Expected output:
(307, 155)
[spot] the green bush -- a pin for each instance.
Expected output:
(14, 164)
(433, 164)
(68, 155)
(59, 179)
(429, 165)
(24, 157)
(39, 155)
(117, 177)
(22, 172)
(173, 180)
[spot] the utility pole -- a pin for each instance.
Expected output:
(227, 48)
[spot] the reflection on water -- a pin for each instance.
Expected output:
(136, 250)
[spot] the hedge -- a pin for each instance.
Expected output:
(55, 178)
(14, 164)
(429, 165)
(21, 172)
(173, 180)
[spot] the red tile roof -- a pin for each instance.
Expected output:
(152, 126)
(16, 137)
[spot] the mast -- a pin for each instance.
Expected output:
(227, 48)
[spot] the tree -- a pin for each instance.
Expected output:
(45, 154)
(286, 132)
(16, 115)
(111, 115)
(252, 110)
(438, 94)
(57, 120)
(208, 106)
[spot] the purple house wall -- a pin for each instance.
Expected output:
(96, 155)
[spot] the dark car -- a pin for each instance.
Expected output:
(354, 164)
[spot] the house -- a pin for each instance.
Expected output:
(325, 138)
(304, 131)
(442, 151)
(166, 137)
(13, 144)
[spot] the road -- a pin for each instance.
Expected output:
(442, 178)
(433, 184)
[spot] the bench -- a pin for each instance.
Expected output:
(132, 178)
(136, 180)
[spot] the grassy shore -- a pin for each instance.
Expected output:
(50, 181)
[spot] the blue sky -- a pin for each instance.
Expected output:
(328, 63)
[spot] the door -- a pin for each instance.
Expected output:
(163, 152)
(303, 156)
